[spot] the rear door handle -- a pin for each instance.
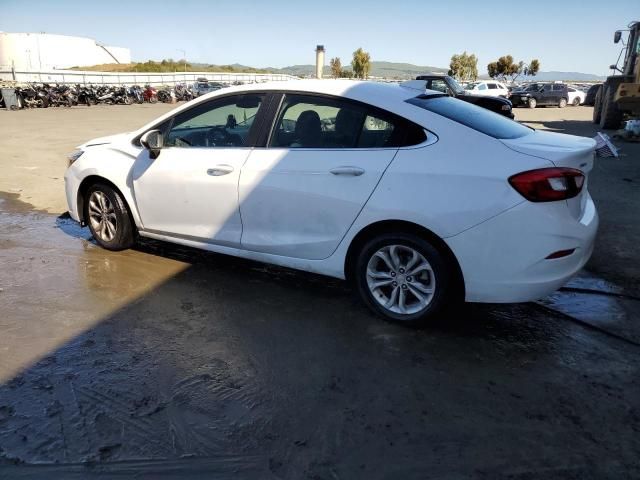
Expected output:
(220, 170)
(353, 171)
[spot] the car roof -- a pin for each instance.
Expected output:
(387, 96)
(366, 91)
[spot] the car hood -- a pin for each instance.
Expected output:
(563, 150)
(105, 140)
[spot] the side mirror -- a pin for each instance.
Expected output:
(617, 36)
(152, 141)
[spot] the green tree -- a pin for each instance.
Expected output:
(533, 68)
(505, 68)
(361, 64)
(464, 67)
(346, 74)
(336, 67)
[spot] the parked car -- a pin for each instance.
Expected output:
(542, 94)
(204, 86)
(590, 98)
(448, 85)
(489, 88)
(576, 96)
(418, 198)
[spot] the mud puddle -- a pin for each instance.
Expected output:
(164, 359)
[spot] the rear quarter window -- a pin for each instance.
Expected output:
(472, 116)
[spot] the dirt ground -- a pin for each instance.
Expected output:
(167, 362)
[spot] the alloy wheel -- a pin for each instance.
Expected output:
(102, 216)
(401, 279)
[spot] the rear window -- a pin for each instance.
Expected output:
(472, 116)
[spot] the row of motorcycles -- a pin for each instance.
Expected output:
(45, 95)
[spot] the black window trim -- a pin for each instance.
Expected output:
(253, 132)
(277, 105)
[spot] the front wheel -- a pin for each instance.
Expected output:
(403, 278)
(576, 102)
(532, 103)
(108, 218)
(563, 103)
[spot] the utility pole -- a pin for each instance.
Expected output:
(184, 57)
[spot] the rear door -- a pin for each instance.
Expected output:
(547, 95)
(301, 192)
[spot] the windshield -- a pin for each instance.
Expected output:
(471, 86)
(472, 116)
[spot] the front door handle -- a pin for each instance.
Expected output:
(220, 170)
(353, 171)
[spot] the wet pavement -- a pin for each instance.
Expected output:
(167, 362)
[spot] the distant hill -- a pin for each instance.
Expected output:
(378, 69)
(576, 76)
(391, 70)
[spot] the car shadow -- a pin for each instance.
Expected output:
(240, 370)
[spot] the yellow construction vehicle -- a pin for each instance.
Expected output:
(620, 93)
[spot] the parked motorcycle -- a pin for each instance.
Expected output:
(150, 94)
(58, 95)
(164, 95)
(32, 97)
(183, 93)
(135, 92)
(86, 95)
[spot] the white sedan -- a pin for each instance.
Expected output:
(488, 88)
(420, 199)
(576, 97)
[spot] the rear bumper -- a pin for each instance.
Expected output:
(503, 260)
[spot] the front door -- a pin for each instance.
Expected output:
(300, 194)
(191, 189)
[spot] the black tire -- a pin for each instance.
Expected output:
(125, 230)
(597, 107)
(533, 103)
(576, 102)
(611, 116)
(562, 103)
(444, 294)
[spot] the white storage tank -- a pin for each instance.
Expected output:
(44, 51)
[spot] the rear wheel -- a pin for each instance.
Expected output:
(597, 106)
(403, 278)
(576, 102)
(611, 116)
(108, 218)
(532, 103)
(562, 103)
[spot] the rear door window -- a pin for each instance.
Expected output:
(307, 121)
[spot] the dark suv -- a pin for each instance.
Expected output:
(448, 85)
(541, 94)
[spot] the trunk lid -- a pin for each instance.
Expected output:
(564, 151)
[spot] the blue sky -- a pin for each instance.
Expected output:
(566, 35)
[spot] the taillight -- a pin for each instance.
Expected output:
(548, 184)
